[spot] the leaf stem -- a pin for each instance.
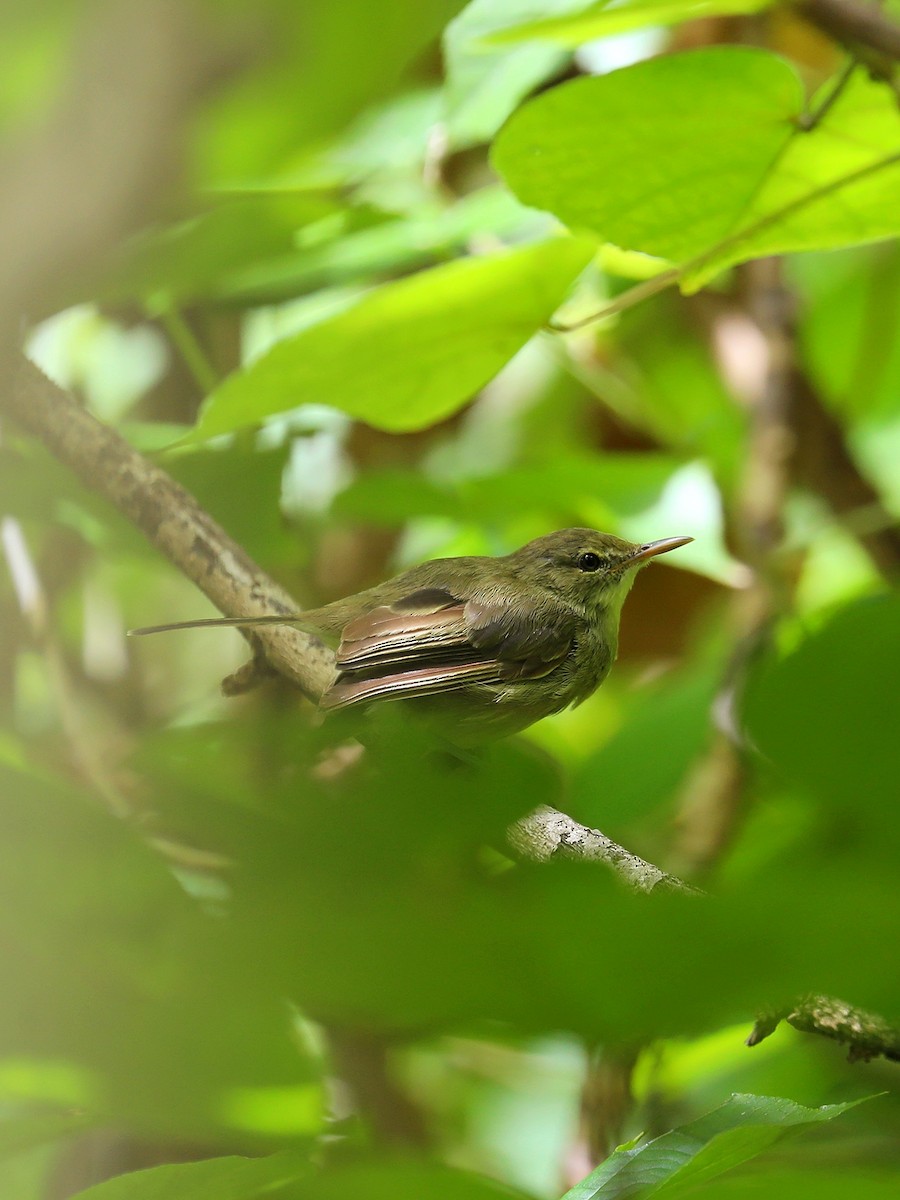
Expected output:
(186, 343)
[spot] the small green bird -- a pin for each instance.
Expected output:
(488, 645)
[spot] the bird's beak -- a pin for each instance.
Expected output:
(663, 546)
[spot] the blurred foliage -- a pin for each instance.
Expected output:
(337, 335)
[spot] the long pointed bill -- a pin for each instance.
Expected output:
(663, 546)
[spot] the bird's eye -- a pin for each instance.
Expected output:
(589, 562)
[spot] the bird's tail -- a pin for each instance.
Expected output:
(237, 622)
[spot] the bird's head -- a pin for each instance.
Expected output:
(590, 569)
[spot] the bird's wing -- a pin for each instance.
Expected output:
(432, 641)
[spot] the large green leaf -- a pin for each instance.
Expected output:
(685, 1158)
(661, 157)
(837, 185)
(410, 352)
(700, 158)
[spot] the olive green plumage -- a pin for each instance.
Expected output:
(486, 646)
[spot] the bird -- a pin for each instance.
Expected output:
(485, 646)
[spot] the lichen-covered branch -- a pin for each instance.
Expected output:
(547, 833)
(866, 1034)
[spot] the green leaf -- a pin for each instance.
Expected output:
(231, 1178)
(340, 953)
(412, 352)
(670, 1165)
(600, 19)
(571, 483)
(675, 722)
(660, 157)
(837, 185)
(699, 158)
(822, 714)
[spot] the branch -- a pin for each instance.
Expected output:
(546, 832)
(867, 1034)
(852, 24)
(171, 519)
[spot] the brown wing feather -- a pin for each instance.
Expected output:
(421, 681)
(431, 642)
(384, 636)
